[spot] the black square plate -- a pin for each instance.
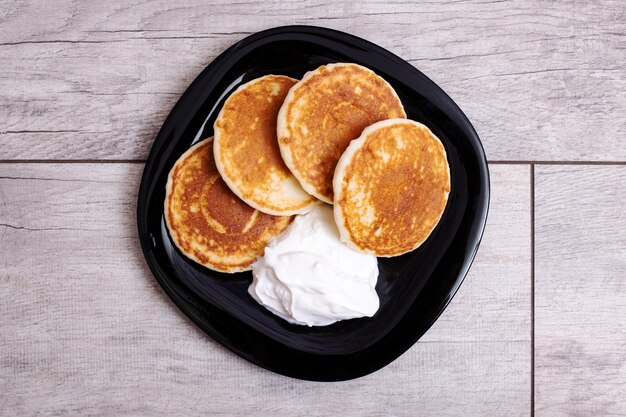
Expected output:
(414, 288)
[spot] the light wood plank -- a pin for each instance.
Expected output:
(539, 81)
(85, 329)
(580, 289)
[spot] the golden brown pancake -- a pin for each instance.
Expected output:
(322, 113)
(391, 188)
(246, 148)
(209, 223)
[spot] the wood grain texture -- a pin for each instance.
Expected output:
(85, 329)
(540, 81)
(580, 308)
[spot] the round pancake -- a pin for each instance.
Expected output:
(209, 223)
(246, 148)
(391, 188)
(322, 113)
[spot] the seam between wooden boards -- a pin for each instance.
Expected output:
(532, 290)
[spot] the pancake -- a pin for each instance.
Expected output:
(207, 222)
(246, 148)
(391, 188)
(322, 113)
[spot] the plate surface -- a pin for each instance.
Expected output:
(414, 288)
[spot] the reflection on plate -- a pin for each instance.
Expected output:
(414, 288)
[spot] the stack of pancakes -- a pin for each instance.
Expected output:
(338, 136)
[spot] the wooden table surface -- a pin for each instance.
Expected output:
(538, 327)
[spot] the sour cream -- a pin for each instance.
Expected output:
(308, 276)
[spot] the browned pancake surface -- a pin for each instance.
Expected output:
(247, 152)
(393, 190)
(325, 111)
(210, 224)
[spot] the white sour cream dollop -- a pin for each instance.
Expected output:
(308, 276)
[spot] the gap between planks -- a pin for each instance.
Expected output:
(532, 290)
